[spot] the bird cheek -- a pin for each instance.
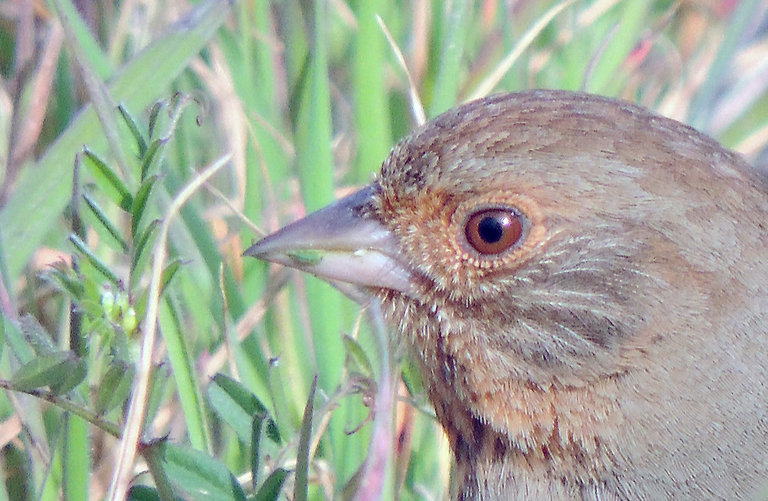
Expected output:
(432, 230)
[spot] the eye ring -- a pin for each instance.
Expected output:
(494, 230)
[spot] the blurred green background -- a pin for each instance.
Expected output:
(109, 109)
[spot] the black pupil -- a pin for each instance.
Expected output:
(490, 229)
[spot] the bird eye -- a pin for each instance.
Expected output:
(492, 231)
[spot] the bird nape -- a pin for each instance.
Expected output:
(583, 286)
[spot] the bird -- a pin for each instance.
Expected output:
(583, 285)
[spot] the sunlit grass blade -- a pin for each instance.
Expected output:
(371, 104)
(446, 85)
(191, 397)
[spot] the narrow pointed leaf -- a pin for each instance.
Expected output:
(273, 432)
(37, 337)
(158, 381)
(235, 405)
(270, 489)
(149, 158)
(168, 273)
(93, 259)
(115, 386)
(240, 395)
(141, 143)
(105, 221)
(108, 180)
(43, 370)
(256, 427)
(357, 359)
(140, 306)
(66, 282)
(140, 243)
(154, 113)
(71, 374)
(301, 486)
(140, 202)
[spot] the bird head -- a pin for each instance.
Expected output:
(534, 242)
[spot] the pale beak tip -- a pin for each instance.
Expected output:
(266, 247)
(253, 251)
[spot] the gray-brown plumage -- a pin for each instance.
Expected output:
(584, 286)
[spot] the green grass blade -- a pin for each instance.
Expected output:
(76, 460)
(313, 156)
(89, 47)
(371, 103)
(184, 374)
(448, 78)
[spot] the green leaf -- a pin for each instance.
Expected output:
(146, 493)
(133, 126)
(67, 281)
(115, 386)
(270, 489)
(74, 375)
(140, 202)
(44, 370)
(239, 394)
(412, 378)
(154, 113)
(273, 432)
(108, 180)
(235, 405)
(141, 242)
(168, 273)
(105, 221)
(356, 357)
(37, 337)
(458, 15)
(256, 426)
(158, 381)
(94, 260)
(201, 476)
(142, 493)
(301, 486)
(151, 155)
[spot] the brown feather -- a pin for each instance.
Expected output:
(618, 350)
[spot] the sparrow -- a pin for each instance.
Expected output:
(583, 285)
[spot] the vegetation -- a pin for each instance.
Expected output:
(147, 143)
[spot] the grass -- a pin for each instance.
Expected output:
(285, 105)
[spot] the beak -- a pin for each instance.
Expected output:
(338, 243)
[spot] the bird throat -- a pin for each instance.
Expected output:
(501, 426)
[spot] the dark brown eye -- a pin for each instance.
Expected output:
(492, 231)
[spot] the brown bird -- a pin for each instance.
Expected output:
(584, 286)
